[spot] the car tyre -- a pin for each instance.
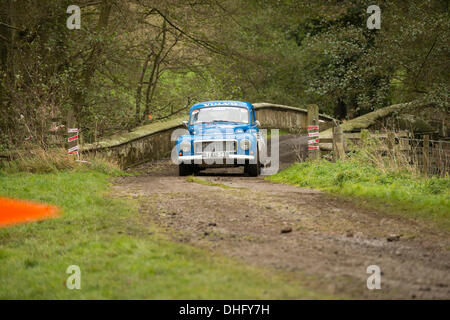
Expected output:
(185, 169)
(195, 170)
(254, 169)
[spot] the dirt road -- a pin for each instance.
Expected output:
(322, 242)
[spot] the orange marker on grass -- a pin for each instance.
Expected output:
(20, 211)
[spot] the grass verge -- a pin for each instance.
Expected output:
(405, 193)
(38, 160)
(119, 255)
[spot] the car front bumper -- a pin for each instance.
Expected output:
(228, 159)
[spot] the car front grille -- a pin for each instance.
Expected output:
(215, 145)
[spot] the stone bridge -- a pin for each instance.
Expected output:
(153, 141)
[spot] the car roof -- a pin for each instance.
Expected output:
(222, 103)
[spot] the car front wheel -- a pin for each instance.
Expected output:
(253, 169)
(185, 169)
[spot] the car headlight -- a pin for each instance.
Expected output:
(185, 146)
(245, 144)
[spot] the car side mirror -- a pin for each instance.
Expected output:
(257, 123)
(185, 124)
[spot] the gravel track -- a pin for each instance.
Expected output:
(322, 242)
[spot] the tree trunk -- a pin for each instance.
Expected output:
(139, 88)
(154, 75)
(340, 110)
(90, 65)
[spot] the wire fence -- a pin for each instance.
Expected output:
(431, 156)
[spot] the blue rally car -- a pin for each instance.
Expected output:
(221, 134)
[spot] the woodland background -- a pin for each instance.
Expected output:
(138, 57)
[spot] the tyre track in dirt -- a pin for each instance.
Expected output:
(321, 242)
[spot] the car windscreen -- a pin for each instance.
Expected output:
(219, 114)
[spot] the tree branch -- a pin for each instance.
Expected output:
(200, 42)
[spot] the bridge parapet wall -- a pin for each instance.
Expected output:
(153, 142)
(286, 117)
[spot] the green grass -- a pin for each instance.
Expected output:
(413, 196)
(119, 253)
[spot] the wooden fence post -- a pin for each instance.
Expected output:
(333, 130)
(443, 129)
(441, 165)
(391, 146)
(426, 154)
(313, 120)
(391, 141)
(338, 143)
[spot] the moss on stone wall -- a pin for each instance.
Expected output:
(136, 133)
(370, 119)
